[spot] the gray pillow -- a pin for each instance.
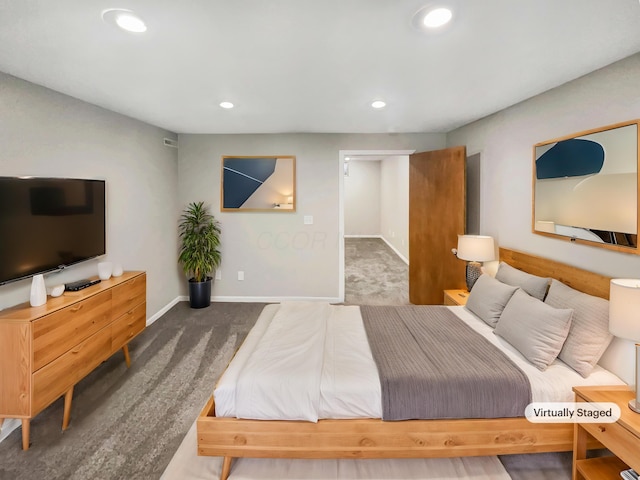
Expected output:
(532, 284)
(488, 298)
(589, 334)
(534, 328)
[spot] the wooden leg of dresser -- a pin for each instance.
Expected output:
(1, 423)
(127, 358)
(26, 424)
(66, 417)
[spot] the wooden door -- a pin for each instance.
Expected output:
(436, 217)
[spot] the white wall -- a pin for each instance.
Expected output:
(279, 254)
(506, 141)
(45, 133)
(376, 200)
(362, 198)
(394, 204)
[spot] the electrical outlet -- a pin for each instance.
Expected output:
(240, 275)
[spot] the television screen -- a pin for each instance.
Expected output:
(49, 223)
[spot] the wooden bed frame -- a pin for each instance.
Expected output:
(374, 438)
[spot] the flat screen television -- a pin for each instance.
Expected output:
(47, 224)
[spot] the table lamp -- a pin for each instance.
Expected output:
(624, 320)
(475, 249)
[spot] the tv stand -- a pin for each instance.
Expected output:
(45, 351)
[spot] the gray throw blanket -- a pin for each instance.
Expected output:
(433, 365)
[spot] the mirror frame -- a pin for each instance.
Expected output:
(609, 246)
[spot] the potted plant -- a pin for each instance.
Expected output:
(199, 251)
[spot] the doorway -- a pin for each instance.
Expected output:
(380, 213)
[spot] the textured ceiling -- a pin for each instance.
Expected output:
(303, 66)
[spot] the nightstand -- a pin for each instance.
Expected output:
(455, 297)
(622, 438)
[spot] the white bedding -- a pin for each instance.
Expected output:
(346, 373)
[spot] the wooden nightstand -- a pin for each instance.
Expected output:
(622, 438)
(455, 297)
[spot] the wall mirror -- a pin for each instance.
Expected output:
(585, 187)
(261, 183)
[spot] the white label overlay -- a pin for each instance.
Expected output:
(572, 412)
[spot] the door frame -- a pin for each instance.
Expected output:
(342, 154)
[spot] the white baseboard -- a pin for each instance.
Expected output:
(275, 299)
(238, 299)
(163, 310)
(402, 257)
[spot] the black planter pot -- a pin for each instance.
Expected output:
(200, 293)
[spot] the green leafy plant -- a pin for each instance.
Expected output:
(200, 242)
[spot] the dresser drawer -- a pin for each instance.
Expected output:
(128, 295)
(58, 332)
(51, 381)
(128, 326)
(612, 434)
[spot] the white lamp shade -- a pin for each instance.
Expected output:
(624, 308)
(476, 248)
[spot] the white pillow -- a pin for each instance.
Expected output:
(534, 328)
(589, 334)
(532, 284)
(488, 298)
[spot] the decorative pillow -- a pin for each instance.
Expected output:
(532, 284)
(488, 298)
(589, 334)
(534, 328)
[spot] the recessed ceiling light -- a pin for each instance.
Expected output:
(125, 19)
(226, 105)
(378, 104)
(432, 17)
(437, 17)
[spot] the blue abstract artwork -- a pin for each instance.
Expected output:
(243, 176)
(570, 158)
(258, 183)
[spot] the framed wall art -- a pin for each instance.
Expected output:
(585, 187)
(258, 183)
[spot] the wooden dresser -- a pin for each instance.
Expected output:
(46, 350)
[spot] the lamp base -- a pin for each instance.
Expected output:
(634, 405)
(473, 272)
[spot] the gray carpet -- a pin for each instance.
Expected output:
(374, 273)
(127, 423)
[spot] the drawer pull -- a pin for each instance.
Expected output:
(76, 308)
(602, 429)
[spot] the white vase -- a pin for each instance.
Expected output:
(117, 270)
(38, 291)
(104, 270)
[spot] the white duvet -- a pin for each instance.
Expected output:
(310, 360)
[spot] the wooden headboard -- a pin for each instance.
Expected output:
(577, 278)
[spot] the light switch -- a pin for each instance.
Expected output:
(308, 219)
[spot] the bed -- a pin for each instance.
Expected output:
(220, 433)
